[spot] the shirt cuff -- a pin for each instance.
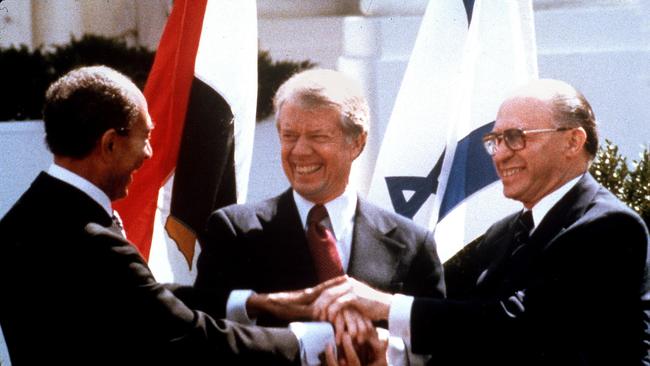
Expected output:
(236, 307)
(396, 354)
(399, 318)
(314, 337)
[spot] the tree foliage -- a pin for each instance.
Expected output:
(271, 74)
(27, 73)
(631, 184)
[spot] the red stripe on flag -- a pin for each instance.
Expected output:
(167, 92)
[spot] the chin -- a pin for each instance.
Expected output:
(119, 195)
(509, 193)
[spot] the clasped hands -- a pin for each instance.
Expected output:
(349, 305)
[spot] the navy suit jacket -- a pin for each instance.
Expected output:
(580, 296)
(75, 292)
(263, 247)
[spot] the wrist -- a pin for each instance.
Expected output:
(382, 308)
(255, 304)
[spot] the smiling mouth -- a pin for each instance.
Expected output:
(505, 173)
(307, 169)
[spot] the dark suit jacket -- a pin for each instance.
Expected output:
(263, 247)
(75, 292)
(579, 298)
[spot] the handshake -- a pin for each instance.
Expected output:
(349, 305)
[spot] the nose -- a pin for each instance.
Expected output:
(503, 152)
(301, 147)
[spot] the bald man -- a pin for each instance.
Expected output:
(562, 282)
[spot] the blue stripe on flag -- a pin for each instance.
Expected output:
(469, 8)
(471, 170)
(422, 188)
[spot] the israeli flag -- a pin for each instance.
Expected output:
(435, 169)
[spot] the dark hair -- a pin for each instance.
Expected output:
(85, 103)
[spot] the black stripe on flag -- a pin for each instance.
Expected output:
(204, 179)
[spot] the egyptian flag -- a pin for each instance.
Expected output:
(202, 93)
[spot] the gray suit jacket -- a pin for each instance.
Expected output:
(263, 247)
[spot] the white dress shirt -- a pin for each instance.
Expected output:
(341, 220)
(341, 212)
(314, 336)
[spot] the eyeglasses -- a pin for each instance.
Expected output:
(515, 138)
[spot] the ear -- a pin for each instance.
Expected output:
(576, 141)
(359, 144)
(108, 144)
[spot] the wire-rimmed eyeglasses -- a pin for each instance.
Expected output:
(515, 138)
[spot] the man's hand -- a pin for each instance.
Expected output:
(351, 293)
(350, 321)
(372, 353)
(290, 305)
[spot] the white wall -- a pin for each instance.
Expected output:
(47, 22)
(23, 155)
(604, 52)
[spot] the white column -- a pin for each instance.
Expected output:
(115, 18)
(55, 21)
(376, 49)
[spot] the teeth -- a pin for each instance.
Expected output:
(306, 169)
(510, 172)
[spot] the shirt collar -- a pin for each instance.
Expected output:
(341, 210)
(545, 204)
(83, 185)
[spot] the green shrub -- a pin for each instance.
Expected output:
(95, 50)
(23, 88)
(25, 76)
(630, 185)
(270, 75)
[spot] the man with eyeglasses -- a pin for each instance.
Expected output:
(563, 282)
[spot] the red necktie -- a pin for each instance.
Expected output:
(322, 245)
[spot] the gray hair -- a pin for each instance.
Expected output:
(320, 87)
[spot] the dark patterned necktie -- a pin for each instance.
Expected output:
(322, 245)
(518, 264)
(522, 230)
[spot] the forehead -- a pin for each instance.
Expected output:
(294, 116)
(524, 113)
(142, 122)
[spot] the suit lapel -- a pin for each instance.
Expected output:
(498, 245)
(564, 213)
(287, 233)
(372, 239)
(73, 203)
